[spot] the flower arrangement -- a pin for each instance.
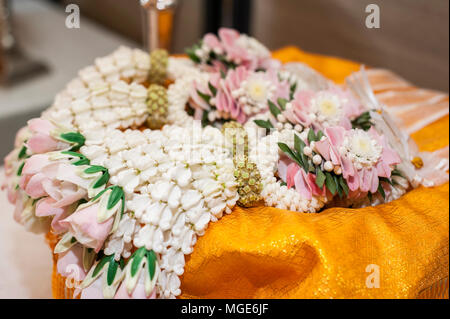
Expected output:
(128, 171)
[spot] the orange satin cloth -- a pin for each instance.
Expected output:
(272, 253)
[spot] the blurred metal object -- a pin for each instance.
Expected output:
(15, 66)
(158, 23)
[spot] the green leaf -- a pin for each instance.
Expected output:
(320, 135)
(100, 265)
(83, 160)
(95, 169)
(292, 90)
(264, 124)
(282, 103)
(136, 260)
(381, 191)
(151, 263)
(291, 154)
(102, 180)
(386, 180)
(222, 74)
(23, 152)
(100, 194)
(20, 169)
(191, 53)
(311, 136)
(344, 185)
(273, 109)
(330, 183)
(363, 121)
(204, 96)
(74, 138)
(115, 196)
(112, 270)
(205, 120)
(283, 184)
(397, 172)
(338, 187)
(320, 178)
(299, 145)
(212, 89)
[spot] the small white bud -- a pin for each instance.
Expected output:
(337, 170)
(211, 116)
(328, 166)
(317, 159)
(307, 151)
(298, 127)
(281, 118)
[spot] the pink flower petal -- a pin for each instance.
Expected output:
(39, 125)
(292, 170)
(86, 229)
(70, 263)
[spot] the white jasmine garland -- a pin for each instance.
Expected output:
(188, 183)
(266, 155)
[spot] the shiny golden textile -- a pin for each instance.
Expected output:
(272, 253)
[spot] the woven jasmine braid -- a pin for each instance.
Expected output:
(176, 180)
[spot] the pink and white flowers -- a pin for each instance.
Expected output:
(238, 96)
(363, 156)
(42, 138)
(85, 227)
(328, 108)
(231, 48)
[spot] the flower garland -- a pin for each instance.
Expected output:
(128, 202)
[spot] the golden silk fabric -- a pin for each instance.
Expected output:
(400, 247)
(271, 253)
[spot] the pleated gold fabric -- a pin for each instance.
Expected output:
(396, 250)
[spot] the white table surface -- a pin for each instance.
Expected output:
(26, 260)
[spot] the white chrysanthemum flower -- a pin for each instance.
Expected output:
(326, 109)
(254, 93)
(361, 148)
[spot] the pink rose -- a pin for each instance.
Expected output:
(41, 140)
(138, 291)
(46, 207)
(86, 229)
(43, 177)
(70, 263)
